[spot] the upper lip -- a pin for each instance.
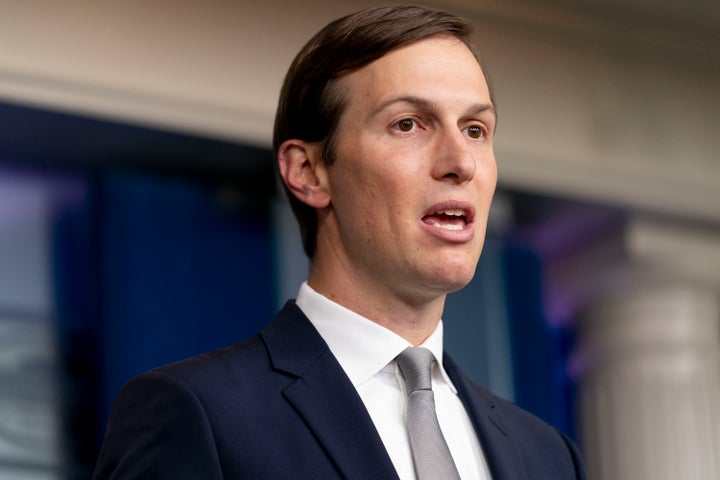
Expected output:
(449, 206)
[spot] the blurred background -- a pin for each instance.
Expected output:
(140, 221)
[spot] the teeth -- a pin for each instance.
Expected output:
(451, 227)
(452, 213)
(447, 226)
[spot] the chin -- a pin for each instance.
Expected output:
(452, 277)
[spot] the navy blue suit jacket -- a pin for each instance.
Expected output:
(279, 406)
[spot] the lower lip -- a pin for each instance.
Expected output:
(453, 236)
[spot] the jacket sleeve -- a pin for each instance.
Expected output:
(158, 430)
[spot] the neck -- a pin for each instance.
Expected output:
(414, 319)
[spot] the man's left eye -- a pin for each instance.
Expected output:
(405, 125)
(475, 132)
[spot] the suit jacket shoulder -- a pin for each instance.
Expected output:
(275, 406)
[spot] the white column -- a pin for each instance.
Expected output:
(647, 360)
(649, 364)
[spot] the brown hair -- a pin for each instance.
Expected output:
(311, 102)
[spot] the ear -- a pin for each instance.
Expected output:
(303, 172)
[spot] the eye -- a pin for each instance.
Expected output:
(475, 131)
(405, 125)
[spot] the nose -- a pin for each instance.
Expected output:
(454, 160)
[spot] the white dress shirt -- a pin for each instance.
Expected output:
(366, 351)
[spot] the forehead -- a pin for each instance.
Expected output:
(434, 68)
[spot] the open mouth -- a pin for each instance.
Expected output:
(447, 218)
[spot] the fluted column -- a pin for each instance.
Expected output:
(648, 364)
(645, 306)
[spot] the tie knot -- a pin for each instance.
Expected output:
(416, 366)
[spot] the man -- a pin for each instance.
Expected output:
(384, 138)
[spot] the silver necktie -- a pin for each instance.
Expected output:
(430, 452)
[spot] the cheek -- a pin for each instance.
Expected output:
(493, 174)
(373, 181)
(355, 199)
(491, 166)
(360, 181)
(487, 179)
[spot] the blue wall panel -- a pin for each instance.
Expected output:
(181, 273)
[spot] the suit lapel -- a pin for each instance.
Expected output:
(501, 451)
(325, 398)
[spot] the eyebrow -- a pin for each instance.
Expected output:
(428, 104)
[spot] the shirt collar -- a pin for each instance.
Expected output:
(361, 346)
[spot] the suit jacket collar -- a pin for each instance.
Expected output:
(500, 449)
(324, 396)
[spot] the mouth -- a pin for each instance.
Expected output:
(450, 217)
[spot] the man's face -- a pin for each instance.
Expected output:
(414, 171)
